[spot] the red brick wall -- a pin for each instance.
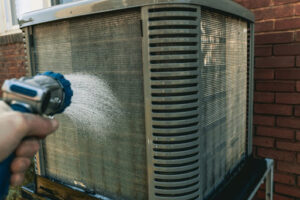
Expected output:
(12, 57)
(277, 91)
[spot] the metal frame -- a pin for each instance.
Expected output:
(88, 7)
(268, 177)
(31, 71)
(251, 91)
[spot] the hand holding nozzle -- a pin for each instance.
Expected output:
(16, 126)
(46, 94)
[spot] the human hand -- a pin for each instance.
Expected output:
(20, 133)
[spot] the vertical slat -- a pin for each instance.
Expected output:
(251, 90)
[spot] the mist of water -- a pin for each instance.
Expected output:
(94, 107)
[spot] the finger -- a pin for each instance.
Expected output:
(20, 164)
(4, 107)
(28, 148)
(35, 125)
(17, 179)
(15, 126)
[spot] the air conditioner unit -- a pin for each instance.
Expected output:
(182, 73)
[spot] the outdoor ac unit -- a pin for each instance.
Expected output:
(182, 72)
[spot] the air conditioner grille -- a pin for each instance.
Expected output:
(173, 38)
(195, 80)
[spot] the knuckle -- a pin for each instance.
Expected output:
(20, 120)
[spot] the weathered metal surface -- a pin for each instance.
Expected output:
(110, 161)
(97, 6)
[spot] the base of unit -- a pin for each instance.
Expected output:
(241, 187)
(247, 182)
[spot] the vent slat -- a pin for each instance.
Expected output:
(157, 92)
(178, 32)
(174, 183)
(175, 114)
(176, 161)
(193, 196)
(175, 122)
(175, 147)
(174, 65)
(178, 189)
(184, 14)
(180, 153)
(174, 98)
(174, 82)
(171, 58)
(173, 107)
(173, 48)
(176, 169)
(179, 175)
(173, 22)
(174, 41)
(172, 74)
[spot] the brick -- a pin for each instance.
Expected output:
(298, 61)
(263, 74)
(288, 122)
(275, 132)
(263, 51)
(298, 135)
(297, 9)
(286, 49)
(298, 160)
(288, 167)
(255, 4)
(287, 190)
(264, 97)
(260, 194)
(284, 178)
(263, 120)
(298, 86)
(264, 26)
(288, 98)
(298, 180)
(289, 146)
(297, 111)
(280, 2)
(287, 24)
(290, 74)
(274, 38)
(275, 86)
(297, 37)
(275, 62)
(273, 109)
(276, 155)
(280, 197)
(274, 12)
(263, 141)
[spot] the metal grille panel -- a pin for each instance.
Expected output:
(173, 87)
(224, 96)
(196, 99)
(111, 161)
